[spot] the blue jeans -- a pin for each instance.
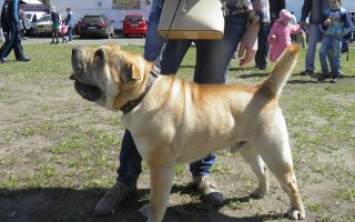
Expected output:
(212, 60)
(70, 33)
(13, 41)
(153, 41)
(263, 46)
(331, 45)
(314, 35)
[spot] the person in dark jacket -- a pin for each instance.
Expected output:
(14, 34)
(263, 46)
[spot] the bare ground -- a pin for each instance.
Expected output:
(38, 113)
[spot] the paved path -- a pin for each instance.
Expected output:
(77, 41)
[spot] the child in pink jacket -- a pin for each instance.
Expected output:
(280, 34)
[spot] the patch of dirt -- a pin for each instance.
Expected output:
(35, 116)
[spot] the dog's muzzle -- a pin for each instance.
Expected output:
(88, 92)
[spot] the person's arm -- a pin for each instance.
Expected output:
(324, 22)
(15, 10)
(282, 4)
(249, 44)
(271, 38)
(69, 18)
(295, 29)
(306, 8)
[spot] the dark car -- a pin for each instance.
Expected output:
(96, 25)
(134, 24)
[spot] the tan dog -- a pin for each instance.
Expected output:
(174, 121)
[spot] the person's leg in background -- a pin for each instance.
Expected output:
(153, 41)
(263, 47)
(336, 59)
(10, 41)
(70, 33)
(130, 160)
(324, 50)
(212, 61)
(313, 39)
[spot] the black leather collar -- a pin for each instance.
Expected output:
(130, 105)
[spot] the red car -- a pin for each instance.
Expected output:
(134, 24)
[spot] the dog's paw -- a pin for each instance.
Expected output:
(145, 211)
(257, 193)
(294, 214)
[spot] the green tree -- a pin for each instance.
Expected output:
(46, 1)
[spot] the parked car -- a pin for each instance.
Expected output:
(134, 24)
(96, 25)
(44, 25)
(32, 18)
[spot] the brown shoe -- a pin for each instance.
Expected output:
(118, 193)
(209, 190)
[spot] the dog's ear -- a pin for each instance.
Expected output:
(130, 72)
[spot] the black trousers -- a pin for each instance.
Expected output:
(13, 41)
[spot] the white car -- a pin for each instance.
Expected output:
(32, 17)
(43, 26)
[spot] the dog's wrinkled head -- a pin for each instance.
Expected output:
(102, 74)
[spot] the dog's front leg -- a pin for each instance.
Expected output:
(161, 179)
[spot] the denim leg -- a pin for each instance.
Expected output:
(130, 161)
(213, 58)
(70, 33)
(324, 50)
(336, 60)
(173, 55)
(263, 46)
(313, 38)
(153, 41)
(11, 40)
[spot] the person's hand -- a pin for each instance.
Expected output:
(327, 22)
(249, 44)
(272, 39)
(302, 24)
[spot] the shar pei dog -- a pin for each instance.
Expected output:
(175, 121)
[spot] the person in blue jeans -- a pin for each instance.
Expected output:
(212, 62)
(313, 10)
(334, 25)
(69, 21)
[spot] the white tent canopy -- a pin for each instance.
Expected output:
(32, 2)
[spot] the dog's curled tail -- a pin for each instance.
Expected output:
(282, 70)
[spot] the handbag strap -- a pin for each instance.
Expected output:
(156, 65)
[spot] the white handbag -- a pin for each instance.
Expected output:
(192, 19)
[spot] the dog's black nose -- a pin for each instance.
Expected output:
(74, 50)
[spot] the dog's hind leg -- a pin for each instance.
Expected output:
(276, 153)
(259, 168)
(161, 179)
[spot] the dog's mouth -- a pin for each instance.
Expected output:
(88, 92)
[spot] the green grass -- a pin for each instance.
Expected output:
(56, 147)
